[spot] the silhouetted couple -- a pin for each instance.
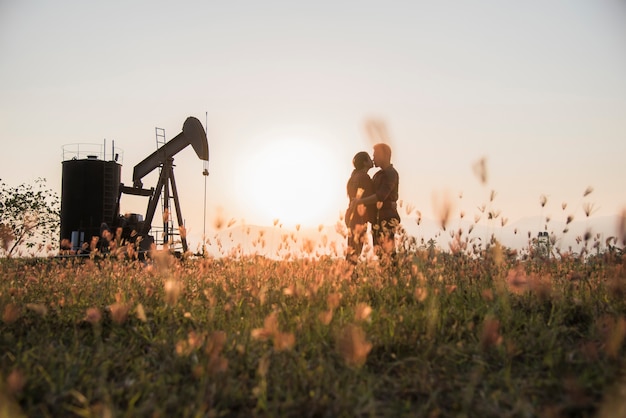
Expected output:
(372, 200)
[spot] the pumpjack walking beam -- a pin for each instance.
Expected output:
(193, 134)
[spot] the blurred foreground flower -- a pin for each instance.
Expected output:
(213, 349)
(519, 282)
(420, 293)
(93, 316)
(490, 336)
(326, 316)
(15, 382)
(172, 289)
(119, 312)
(37, 308)
(282, 340)
(11, 313)
(141, 313)
(362, 312)
(613, 331)
(353, 346)
(480, 170)
(193, 342)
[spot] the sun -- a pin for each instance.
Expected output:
(292, 180)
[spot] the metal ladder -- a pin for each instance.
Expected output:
(108, 205)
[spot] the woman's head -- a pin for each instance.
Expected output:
(362, 160)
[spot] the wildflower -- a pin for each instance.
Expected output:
(270, 327)
(264, 366)
(15, 382)
(11, 313)
(193, 342)
(588, 191)
(376, 130)
(214, 346)
(340, 228)
(362, 312)
(353, 346)
(614, 333)
(93, 316)
(480, 170)
(37, 308)
(421, 293)
(517, 280)
(326, 316)
(218, 222)
(172, 289)
(141, 313)
(622, 226)
(333, 300)
(443, 208)
(308, 246)
(490, 336)
(543, 199)
(119, 312)
(282, 341)
(409, 209)
(487, 295)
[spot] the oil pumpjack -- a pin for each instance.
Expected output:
(92, 191)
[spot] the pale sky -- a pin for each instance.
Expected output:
(538, 88)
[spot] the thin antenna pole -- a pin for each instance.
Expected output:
(205, 173)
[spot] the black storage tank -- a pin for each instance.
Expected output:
(89, 194)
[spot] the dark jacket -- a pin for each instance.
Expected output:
(386, 183)
(359, 179)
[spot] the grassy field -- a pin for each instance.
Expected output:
(440, 334)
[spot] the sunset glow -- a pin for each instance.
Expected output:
(291, 180)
